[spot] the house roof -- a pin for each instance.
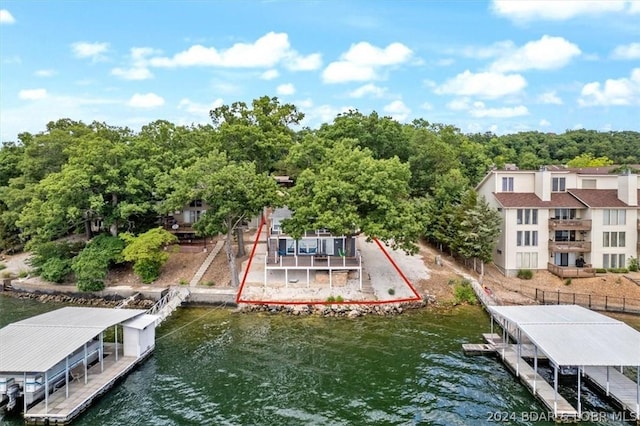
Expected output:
(571, 335)
(595, 198)
(529, 199)
(38, 343)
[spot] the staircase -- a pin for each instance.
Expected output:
(205, 265)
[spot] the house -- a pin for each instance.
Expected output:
(315, 251)
(566, 220)
(180, 222)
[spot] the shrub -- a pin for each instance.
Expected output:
(567, 281)
(92, 264)
(331, 299)
(392, 291)
(183, 281)
(2, 266)
(23, 273)
(339, 299)
(209, 283)
(601, 271)
(6, 274)
(525, 274)
(56, 269)
(634, 265)
(463, 293)
(618, 270)
(146, 252)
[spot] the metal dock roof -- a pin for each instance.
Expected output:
(38, 343)
(571, 335)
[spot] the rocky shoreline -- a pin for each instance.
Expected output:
(338, 310)
(80, 299)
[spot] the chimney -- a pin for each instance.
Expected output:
(628, 188)
(543, 184)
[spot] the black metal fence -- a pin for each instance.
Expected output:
(591, 301)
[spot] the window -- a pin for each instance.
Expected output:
(565, 214)
(613, 261)
(196, 203)
(527, 238)
(527, 216)
(613, 239)
(558, 184)
(507, 184)
(526, 260)
(195, 215)
(614, 217)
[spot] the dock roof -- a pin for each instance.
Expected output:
(571, 335)
(38, 343)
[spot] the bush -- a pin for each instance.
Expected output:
(92, 264)
(601, 271)
(525, 274)
(634, 265)
(146, 252)
(567, 281)
(56, 269)
(331, 299)
(2, 266)
(45, 251)
(618, 270)
(392, 291)
(339, 299)
(463, 293)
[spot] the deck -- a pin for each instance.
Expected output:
(313, 262)
(62, 410)
(621, 389)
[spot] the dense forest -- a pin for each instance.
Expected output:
(359, 174)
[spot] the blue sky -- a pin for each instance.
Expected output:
(500, 66)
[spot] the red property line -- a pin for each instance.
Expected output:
(316, 302)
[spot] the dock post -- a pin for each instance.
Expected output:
(535, 368)
(607, 380)
(579, 402)
(46, 392)
(555, 391)
(638, 392)
(519, 354)
(66, 376)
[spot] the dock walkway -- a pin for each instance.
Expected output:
(61, 410)
(621, 389)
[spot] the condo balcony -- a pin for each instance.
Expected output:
(569, 246)
(570, 224)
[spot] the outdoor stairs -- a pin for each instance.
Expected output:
(169, 303)
(205, 265)
(634, 280)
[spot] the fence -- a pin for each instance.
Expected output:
(591, 301)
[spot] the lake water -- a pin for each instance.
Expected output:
(215, 367)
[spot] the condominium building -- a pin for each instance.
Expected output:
(566, 220)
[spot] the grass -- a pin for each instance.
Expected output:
(463, 293)
(525, 274)
(2, 266)
(23, 273)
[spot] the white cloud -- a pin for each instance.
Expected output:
(285, 89)
(147, 100)
(32, 94)
(544, 54)
(622, 91)
(397, 110)
(550, 98)
(555, 10)
(44, 73)
(628, 51)
(304, 63)
(479, 110)
(199, 109)
(267, 51)
(132, 73)
(270, 74)
(95, 51)
(315, 115)
(485, 52)
(426, 106)
(485, 84)
(6, 17)
(544, 123)
(368, 89)
(363, 60)
(139, 69)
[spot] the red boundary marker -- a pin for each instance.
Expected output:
(316, 302)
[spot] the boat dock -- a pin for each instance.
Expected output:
(592, 347)
(61, 410)
(58, 363)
